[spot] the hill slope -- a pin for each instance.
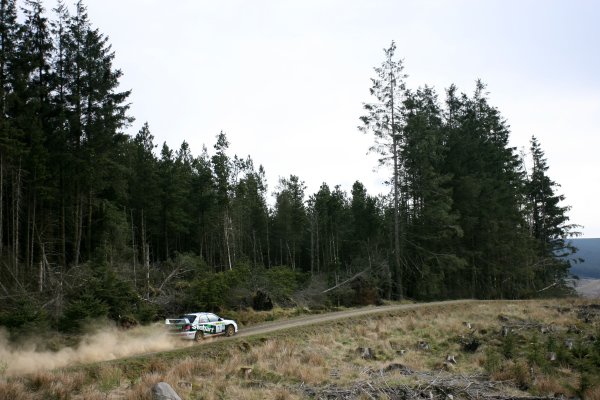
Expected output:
(589, 251)
(469, 349)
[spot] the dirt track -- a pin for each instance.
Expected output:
(334, 316)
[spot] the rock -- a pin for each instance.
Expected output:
(450, 359)
(422, 345)
(164, 391)
(505, 331)
(467, 324)
(184, 385)
(552, 356)
(569, 344)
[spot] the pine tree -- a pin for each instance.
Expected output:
(548, 221)
(9, 138)
(432, 224)
(487, 185)
(289, 221)
(384, 120)
(222, 170)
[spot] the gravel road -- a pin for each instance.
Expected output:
(334, 316)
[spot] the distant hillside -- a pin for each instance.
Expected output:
(589, 251)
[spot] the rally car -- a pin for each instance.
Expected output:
(197, 326)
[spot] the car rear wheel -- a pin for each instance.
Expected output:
(199, 336)
(230, 330)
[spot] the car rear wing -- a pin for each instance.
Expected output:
(176, 321)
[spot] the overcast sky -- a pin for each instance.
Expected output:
(285, 80)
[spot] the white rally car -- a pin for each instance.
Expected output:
(197, 326)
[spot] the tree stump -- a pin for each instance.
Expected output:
(569, 344)
(366, 353)
(422, 345)
(245, 372)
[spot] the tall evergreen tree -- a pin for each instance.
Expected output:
(384, 120)
(289, 221)
(222, 169)
(432, 224)
(487, 183)
(548, 221)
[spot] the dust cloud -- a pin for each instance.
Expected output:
(107, 343)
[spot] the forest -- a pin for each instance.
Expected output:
(96, 223)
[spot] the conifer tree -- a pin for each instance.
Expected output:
(548, 220)
(384, 120)
(222, 169)
(289, 221)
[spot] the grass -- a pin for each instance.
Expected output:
(285, 364)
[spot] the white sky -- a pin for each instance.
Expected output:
(285, 80)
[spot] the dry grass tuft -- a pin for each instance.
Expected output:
(188, 368)
(550, 386)
(592, 393)
(13, 390)
(109, 378)
(41, 380)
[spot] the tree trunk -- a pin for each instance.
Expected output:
(254, 248)
(31, 248)
(133, 250)
(63, 231)
(88, 239)
(78, 228)
(225, 219)
(312, 248)
(147, 265)
(396, 195)
(268, 245)
(16, 213)
(1, 203)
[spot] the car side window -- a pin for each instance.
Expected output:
(212, 318)
(203, 318)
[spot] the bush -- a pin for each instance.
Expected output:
(82, 310)
(22, 315)
(236, 288)
(103, 294)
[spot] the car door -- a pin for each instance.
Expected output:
(215, 321)
(204, 325)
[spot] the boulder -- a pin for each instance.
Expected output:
(164, 391)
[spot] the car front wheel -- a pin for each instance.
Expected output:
(230, 330)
